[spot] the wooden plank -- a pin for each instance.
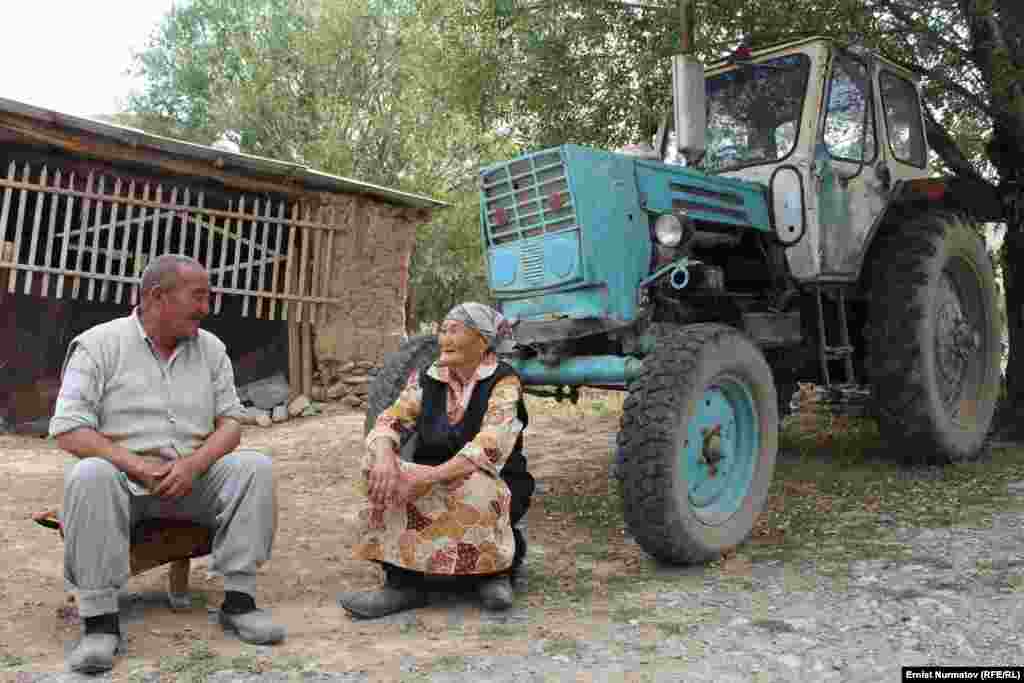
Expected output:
(278, 229)
(236, 259)
(169, 224)
(69, 209)
(126, 241)
(128, 279)
(328, 266)
(18, 225)
(5, 211)
(222, 277)
(318, 258)
(84, 223)
(68, 272)
(210, 232)
(261, 276)
(115, 209)
(197, 238)
(137, 267)
(156, 203)
(95, 229)
(154, 239)
(183, 215)
(261, 210)
(304, 264)
(114, 151)
(289, 265)
(37, 219)
(51, 228)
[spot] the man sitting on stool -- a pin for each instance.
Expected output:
(148, 405)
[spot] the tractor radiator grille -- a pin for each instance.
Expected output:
(526, 198)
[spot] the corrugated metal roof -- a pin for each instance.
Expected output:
(242, 163)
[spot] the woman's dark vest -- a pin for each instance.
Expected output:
(439, 440)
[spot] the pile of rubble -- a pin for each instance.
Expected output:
(269, 400)
(346, 382)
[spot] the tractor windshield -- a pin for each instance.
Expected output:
(753, 114)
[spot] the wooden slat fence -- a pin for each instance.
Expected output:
(68, 236)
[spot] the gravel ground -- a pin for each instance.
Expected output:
(955, 601)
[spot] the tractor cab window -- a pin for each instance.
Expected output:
(753, 114)
(850, 118)
(903, 119)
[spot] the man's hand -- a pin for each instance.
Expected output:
(150, 473)
(177, 481)
(384, 476)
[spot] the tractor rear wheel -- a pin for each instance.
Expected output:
(699, 436)
(933, 336)
(416, 353)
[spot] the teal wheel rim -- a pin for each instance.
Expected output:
(720, 451)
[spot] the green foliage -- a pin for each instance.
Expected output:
(447, 265)
(379, 90)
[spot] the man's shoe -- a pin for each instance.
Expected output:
(254, 626)
(380, 603)
(496, 593)
(94, 653)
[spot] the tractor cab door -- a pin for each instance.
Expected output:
(850, 178)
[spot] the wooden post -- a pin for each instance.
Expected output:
(69, 208)
(51, 229)
(140, 233)
(22, 201)
(273, 303)
(328, 263)
(126, 240)
(177, 577)
(307, 358)
(115, 209)
(222, 271)
(36, 221)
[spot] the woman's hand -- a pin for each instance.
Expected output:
(383, 476)
(411, 485)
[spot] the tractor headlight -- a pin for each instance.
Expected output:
(668, 230)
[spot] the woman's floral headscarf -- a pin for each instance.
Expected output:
(484, 319)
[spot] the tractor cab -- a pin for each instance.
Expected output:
(831, 132)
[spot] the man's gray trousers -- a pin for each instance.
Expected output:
(236, 497)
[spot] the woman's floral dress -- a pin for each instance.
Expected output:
(459, 527)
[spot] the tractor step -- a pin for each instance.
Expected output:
(838, 352)
(849, 400)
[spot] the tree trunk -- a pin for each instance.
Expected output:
(1012, 412)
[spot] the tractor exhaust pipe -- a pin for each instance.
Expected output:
(688, 95)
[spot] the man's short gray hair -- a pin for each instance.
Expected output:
(163, 271)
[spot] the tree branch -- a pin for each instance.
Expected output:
(945, 146)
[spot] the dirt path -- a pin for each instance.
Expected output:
(591, 607)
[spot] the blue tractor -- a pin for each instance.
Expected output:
(782, 226)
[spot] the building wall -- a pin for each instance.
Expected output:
(370, 275)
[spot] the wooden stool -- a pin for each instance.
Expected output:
(154, 543)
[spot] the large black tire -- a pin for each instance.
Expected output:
(935, 381)
(686, 364)
(416, 353)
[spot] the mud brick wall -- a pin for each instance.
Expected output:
(370, 275)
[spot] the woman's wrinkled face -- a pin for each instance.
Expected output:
(461, 346)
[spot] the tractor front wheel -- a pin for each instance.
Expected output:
(416, 353)
(699, 437)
